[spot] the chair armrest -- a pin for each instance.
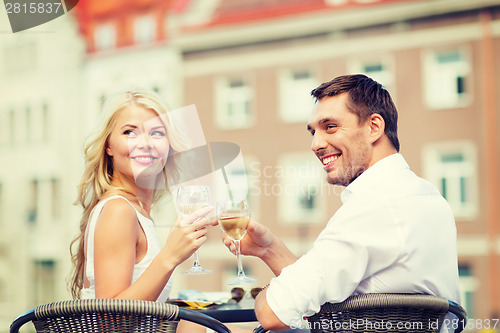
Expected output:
(21, 320)
(458, 311)
(202, 319)
(260, 329)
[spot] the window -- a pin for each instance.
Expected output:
(45, 123)
(44, 281)
(35, 124)
(242, 175)
(105, 37)
(29, 125)
(12, 126)
(33, 206)
(4, 128)
(3, 291)
(468, 285)
(446, 76)
(452, 169)
(295, 95)
(253, 177)
(229, 272)
(234, 103)
(237, 179)
(377, 69)
(298, 188)
(20, 129)
(102, 102)
(56, 191)
(2, 203)
(144, 29)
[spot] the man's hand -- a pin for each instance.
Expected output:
(260, 242)
(256, 242)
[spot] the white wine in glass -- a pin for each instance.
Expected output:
(233, 217)
(235, 227)
(188, 209)
(189, 199)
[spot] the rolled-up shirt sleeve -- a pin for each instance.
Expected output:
(356, 243)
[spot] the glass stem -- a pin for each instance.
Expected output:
(196, 262)
(238, 258)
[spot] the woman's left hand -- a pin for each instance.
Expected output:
(187, 235)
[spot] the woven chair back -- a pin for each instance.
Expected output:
(381, 313)
(106, 316)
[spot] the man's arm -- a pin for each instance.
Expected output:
(266, 317)
(260, 242)
(278, 256)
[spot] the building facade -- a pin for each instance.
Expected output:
(40, 84)
(248, 66)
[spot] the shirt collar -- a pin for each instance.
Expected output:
(386, 167)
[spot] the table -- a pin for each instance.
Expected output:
(235, 313)
(232, 313)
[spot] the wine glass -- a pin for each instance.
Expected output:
(189, 199)
(233, 217)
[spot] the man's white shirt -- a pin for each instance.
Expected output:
(394, 233)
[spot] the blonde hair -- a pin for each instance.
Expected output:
(98, 173)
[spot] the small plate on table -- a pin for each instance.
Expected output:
(195, 305)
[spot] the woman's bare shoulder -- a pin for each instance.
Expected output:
(117, 213)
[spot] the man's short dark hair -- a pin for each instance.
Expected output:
(366, 97)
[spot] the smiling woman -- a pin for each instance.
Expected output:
(139, 146)
(128, 164)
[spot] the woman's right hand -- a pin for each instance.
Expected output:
(187, 235)
(256, 241)
(260, 242)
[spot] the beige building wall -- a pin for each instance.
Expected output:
(401, 36)
(404, 44)
(39, 113)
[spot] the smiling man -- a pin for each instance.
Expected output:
(394, 232)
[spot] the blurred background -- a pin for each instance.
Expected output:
(248, 66)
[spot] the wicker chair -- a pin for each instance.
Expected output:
(387, 313)
(111, 316)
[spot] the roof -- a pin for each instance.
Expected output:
(193, 15)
